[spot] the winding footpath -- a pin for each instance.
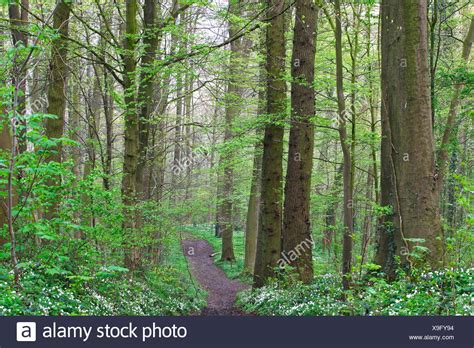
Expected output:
(221, 290)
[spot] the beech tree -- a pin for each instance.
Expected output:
(234, 95)
(411, 227)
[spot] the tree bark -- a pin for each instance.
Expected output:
(18, 21)
(131, 131)
(269, 231)
(442, 155)
(151, 42)
(5, 152)
(251, 225)
(297, 237)
(330, 217)
(58, 79)
(408, 187)
(234, 103)
(57, 89)
(108, 104)
(368, 218)
(347, 158)
(253, 208)
(178, 131)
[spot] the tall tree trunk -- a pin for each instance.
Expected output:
(178, 131)
(160, 151)
(408, 187)
(5, 149)
(92, 139)
(297, 238)
(347, 158)
(234, 103)
(157, 166)
(372, 110)
(367, 227)
(178, 137)
(251, 225)
(57, 89)
(145, 91)
(129, 193)
(330, 216)
(442, 155)
(8, 152)
(253, 208)
(18, 22)
(188, 131)
(269, 231)
(10, 199)
(219, 199)
(212, 215)
(108, 104)
(433, 56)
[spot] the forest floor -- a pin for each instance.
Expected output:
(221, 290)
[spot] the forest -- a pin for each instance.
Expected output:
(236, 157)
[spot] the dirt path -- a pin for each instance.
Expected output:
(221, 290)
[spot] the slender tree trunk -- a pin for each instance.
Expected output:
(270, 224)
(346, 151)
(18, 21)
(330, 217)
(10, 199)
(367, 227)
(178, 136)
(251, 225)
(57, 89)
(297, 238)
(145, 91)
(219, 199)
(5, 148)
(9, 145)
(212, 216)
(188, 131)
(129, 193)
(160, 152)
(442, 155)
(253, 208)
(234, 103)
(373, 123)
(92, 118)
(157, 166)
(108, 103)
(433, 56)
